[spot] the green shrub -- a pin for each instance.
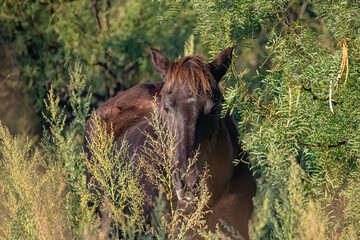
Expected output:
(299, 123)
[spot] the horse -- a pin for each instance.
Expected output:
(190, 98)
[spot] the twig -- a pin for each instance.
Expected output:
(344, 63)
(290, 103)
(322, 145)
(105, 66)
(303, 9)
(268, 116)
(248, 93)
(287, 25)
(330, 94)
(313, 95)
(96, 11)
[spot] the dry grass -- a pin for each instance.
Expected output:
(157, 158)
(33, 192)
(116, 175)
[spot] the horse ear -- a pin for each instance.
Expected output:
(221, 63)
(160, 62)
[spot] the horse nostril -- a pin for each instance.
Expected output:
(177, 181)
(182, 183)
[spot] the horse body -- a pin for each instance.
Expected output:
(189, 100)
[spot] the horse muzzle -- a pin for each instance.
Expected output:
(184, 186)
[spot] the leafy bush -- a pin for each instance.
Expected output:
(109, 38)
(298, 117)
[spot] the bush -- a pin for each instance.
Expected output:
(296, 102)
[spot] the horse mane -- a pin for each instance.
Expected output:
(192, 71)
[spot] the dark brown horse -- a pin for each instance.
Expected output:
(190, 99)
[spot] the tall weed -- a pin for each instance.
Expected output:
(39, 199)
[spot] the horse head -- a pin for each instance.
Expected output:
(191, 101)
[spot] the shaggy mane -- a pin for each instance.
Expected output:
(194, 72)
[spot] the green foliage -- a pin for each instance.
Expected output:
(303, 134)
(62, 143)
(189, 47)
(110, 38)
(293, 89)
(301, 125)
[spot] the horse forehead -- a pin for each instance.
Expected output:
(190, 100)
(195, 100)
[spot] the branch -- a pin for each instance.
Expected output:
(287, 25)
(105, 66)
(248, 93)
(96, 11)
(314, 96)
(303, 9)
(322, 145)
(258, 103)
(108, 6)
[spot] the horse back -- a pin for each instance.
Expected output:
(127, 108)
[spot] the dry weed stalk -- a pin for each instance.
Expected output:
(115, 178)
(157, 158)
(34, 190)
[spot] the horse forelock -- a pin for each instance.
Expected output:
(194, 72)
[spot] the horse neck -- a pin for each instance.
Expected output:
(219, 154)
